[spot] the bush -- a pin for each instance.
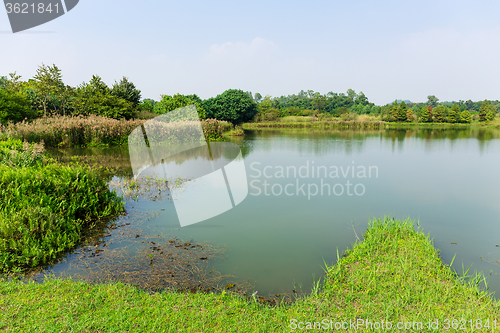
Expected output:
(14, 107)
(214, 129)
(171, 103)
(233, 105)
(465, 117)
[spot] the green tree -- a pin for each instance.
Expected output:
(351, 94)
(465, 117)
(169, 103)
(95, 98)
(483, 110)
(490, 115)
(432, 101)
(440, 114)
(424, 114)
(395, 111)
(319, 101)
(232, 105)
(453, 114)
(127, 91)
(147, 104)
(402, 116)
(48, 82)
(257, 98)
(14, 106)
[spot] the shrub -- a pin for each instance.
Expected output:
(233, 105)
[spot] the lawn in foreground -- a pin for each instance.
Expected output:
(393, 275)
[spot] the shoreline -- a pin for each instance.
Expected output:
(394, 275)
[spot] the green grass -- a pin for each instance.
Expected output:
(395, 274)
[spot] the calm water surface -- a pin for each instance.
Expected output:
(305, 202)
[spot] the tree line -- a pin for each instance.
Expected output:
(46, 94)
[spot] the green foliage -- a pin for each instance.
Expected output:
(402, 110)
(483, 111)
(453, 114)
(14, 106)
(233, 105)
(48, 81)
(15, 153)
(432, 101)
(425, 115)
(490, 115)
(44, 210)
(147, 105)
(395, 111)
(440, 114)
(214, 129)
(95, 98)
(170, 103)
(126, 90)
(465, 117)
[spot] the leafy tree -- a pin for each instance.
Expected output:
(469, 104)
(3, 82)
(440, 114)
(425, 115)
(95, 98)
(453, 114)
(361, 99)
(147, 104)
(170, 103)
(127, 91)
(319, 102)
(14, 106)
(432, 101)
(402, 116)
(490, 115)
(395, 111)
(232, 105)
(483, 110)
(409, 115)
(48, 82)
(257, 98)
(465, 117)
(351, 94)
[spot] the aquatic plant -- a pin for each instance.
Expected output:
(45, 210)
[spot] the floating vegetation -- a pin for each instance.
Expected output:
(146, 188)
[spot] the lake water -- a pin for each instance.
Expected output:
(311, 192)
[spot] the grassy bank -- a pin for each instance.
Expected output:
(360, 122)
(393, 275)
(46, 207)
(317, 124)
(91, 131)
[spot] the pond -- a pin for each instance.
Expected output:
(311, 193)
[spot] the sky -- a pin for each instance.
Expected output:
(386, 49)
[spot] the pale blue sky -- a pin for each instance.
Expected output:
(387, 49)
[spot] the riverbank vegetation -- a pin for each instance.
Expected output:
(393, 276)
(90, 131)
(46, 207)
(47, 97)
